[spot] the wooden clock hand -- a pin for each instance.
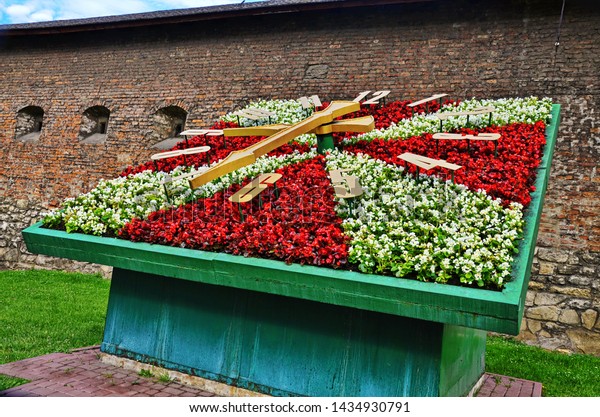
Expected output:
(238, 159)
(357, 125)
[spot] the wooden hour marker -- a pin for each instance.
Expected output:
(342, 182)
(309, 102)
(184, 152)
(200, 132)
(480, 110)
(426, 100)
(428, 163)
(254, 114)
(377, 95)
(188, 151)
(458, 136)
(254, 188)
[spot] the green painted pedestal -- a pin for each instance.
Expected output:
(300, 330)
(286, 346)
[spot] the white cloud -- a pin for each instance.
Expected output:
(25, 11)
(76, 9)
(42, 15)
(18, 12)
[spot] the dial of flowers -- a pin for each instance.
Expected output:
(297, 221)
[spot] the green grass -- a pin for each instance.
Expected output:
(7, 382)
(561, 375)
(43, 312)
(47, 311)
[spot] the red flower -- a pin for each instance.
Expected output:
(509, 175)
(295, 222)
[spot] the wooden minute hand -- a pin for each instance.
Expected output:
(238, 159)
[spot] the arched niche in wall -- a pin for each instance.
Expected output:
(30, 120)
(167, 123)
(94, 125)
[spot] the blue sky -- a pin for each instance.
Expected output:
(26, 11)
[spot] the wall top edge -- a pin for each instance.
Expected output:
(187, 15)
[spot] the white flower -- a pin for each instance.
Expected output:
(407, 231)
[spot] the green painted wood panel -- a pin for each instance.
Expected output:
(463, 360)
(280, 345)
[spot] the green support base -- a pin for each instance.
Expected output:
(325, 143)
(286, 346)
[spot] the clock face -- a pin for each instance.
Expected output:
(424, 191)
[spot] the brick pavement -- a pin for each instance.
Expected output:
(503, 386)
(81, 373)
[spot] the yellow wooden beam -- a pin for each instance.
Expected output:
(358, 125)
(238, 159)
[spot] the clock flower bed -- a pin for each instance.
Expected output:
(406, 224)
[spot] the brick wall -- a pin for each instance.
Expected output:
(464, 48)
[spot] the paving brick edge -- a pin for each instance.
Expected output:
(218, 388)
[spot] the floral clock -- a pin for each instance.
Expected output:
(425, 226)
(322, 249)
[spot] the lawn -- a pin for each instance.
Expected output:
(47, 311)
(562, 375)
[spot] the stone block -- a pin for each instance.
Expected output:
(572, 291)
(546, 299)
(9, 255)
(553, 342)
(529, 298)
(22, 204)
(566, 269)
(546, 268)
(545, 313)
(526, 336)
(317, 71)
(591, 257)
(553, 255)
(585, 341)
(569, 316)
(558, 279)
(589, 318)
(534, 326)
(573, 260)
(580, 280)
(580, 303)
(589, 271)
(535, 286)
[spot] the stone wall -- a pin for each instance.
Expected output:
(15, 215)
(465, 48)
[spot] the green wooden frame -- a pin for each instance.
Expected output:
(468, 307)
